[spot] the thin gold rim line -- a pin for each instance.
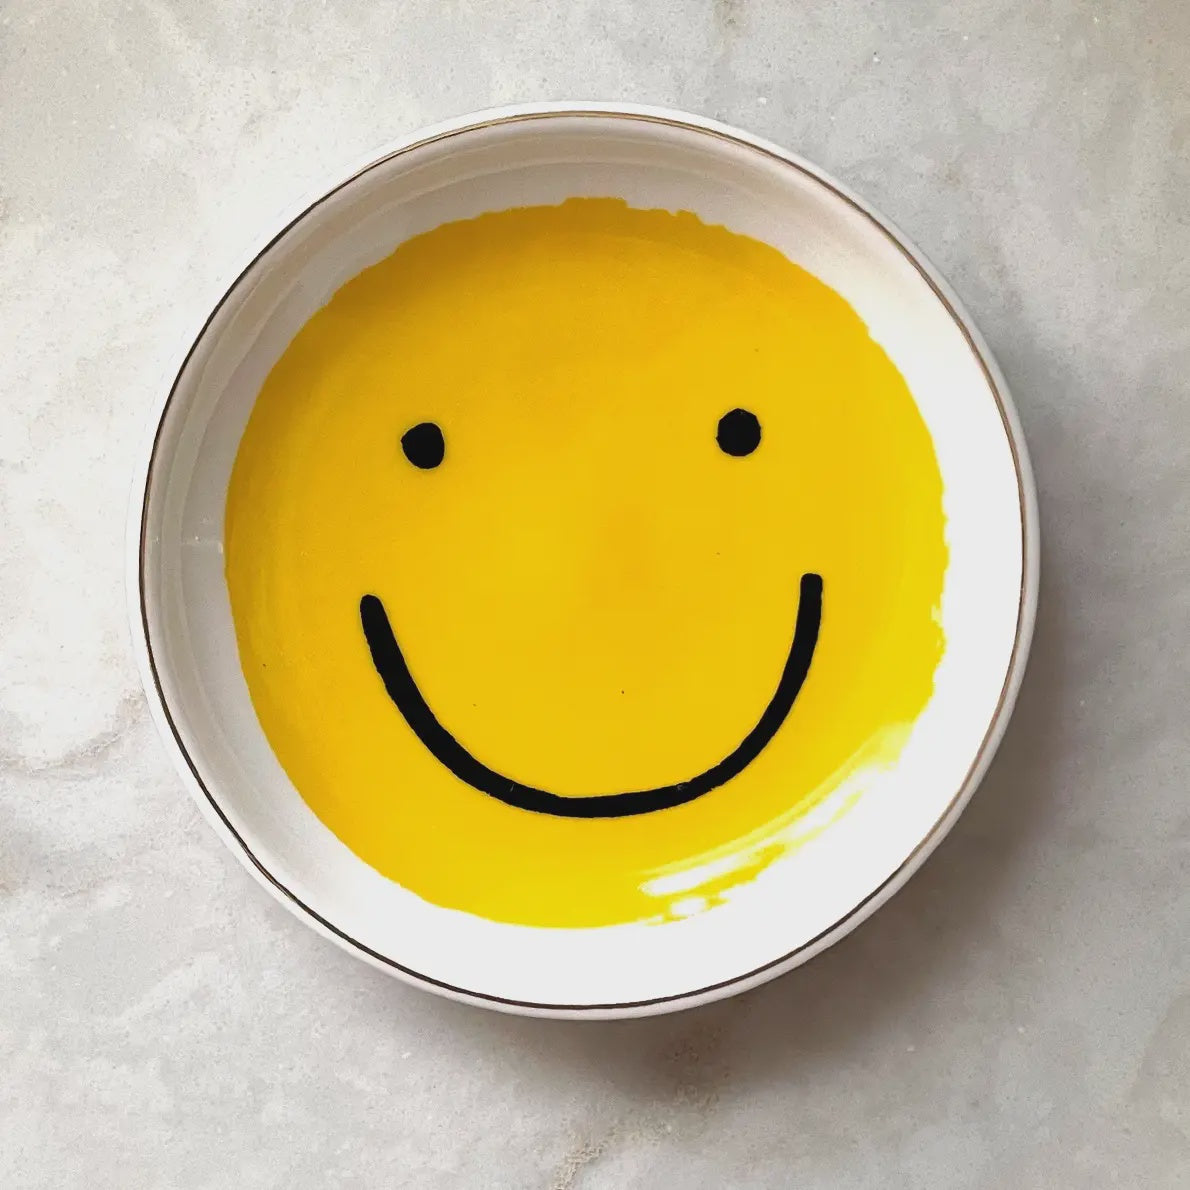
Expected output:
(1013, 670)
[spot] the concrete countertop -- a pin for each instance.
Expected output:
(1019, 1016)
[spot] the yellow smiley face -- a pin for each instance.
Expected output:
(575, 553)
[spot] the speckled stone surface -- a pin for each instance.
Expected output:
(1019, 1016)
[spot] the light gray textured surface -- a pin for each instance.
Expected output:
(1018, 1017)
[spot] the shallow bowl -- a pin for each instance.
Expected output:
(182, 617)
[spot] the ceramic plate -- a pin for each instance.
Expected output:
(585, 562)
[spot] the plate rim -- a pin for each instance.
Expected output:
(1026, 607)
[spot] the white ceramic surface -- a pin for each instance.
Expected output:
(182, 624)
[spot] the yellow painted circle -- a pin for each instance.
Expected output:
(590, 593)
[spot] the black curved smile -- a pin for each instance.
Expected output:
(402, 689)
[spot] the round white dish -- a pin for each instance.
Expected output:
(653, 158)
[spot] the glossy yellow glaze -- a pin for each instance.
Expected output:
(590, 594)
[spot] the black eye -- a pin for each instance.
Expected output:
(739, 433)
(423, 445)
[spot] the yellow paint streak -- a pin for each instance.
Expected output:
(591, 596)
